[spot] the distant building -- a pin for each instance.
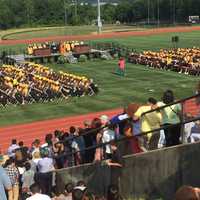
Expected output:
(104, 3)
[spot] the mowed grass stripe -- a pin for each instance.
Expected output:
(140, 83)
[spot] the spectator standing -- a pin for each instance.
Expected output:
(88, 140)
(68, 149)
(187, 128)
(75, 146)
(97, 128)
(108, 135)
(35, 146)
(13, 175)
(171, 116)
(195, 132)
(48, 145)
(58, 149)
(4, 183)
(120, 120)
(81, 144)
(32, 163)
(149, 122)
(36, 158)
(45, 167)
(116, 164)
(99, 150)
(104, 120)
(27, 177)
(12, 148)
(24, 150)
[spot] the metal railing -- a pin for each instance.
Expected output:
(181, 117)
(129, 138)
(140, 134)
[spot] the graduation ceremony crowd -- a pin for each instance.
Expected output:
(28, 171)
(181, 60)
(29, 82)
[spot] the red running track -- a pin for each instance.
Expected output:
(103, 35)
(192, 107)
(29, 132)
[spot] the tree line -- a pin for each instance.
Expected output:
(30, 13)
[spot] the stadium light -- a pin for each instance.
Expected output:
(99, 23)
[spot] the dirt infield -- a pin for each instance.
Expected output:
(103, 35)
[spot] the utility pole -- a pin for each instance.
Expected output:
(99, 23)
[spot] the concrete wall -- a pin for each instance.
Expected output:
(152, 175)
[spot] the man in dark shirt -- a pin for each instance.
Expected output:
(88, 139)
(116, 164)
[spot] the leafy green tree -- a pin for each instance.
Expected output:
(16, 13)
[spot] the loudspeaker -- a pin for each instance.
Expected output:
(176, 39)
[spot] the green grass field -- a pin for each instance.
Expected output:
(114, 91)
(62, 31)
(138, 43)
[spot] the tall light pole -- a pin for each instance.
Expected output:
(75, 7)
(174, 12)
(148, 10)
(158, 12)
(65, 9)
(99, 23)
(75, 11)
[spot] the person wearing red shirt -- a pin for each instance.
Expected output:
(121, 67)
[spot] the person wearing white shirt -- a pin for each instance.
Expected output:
(108, 135)
(36, 193)
(195, 132)
(12, 148)
(45, 165)
(45, 168)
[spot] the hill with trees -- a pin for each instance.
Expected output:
(30, 13)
